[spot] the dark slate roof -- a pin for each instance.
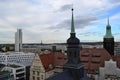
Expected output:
(65, 75)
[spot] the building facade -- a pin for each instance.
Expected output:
(117, 49)
(17, 57)
(18, 40)
(46, 65)
(5, 75)
(109, 72)
(18, 72)
(37, 71)
(93, 58)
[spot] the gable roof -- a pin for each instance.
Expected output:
(117, 59)
(51, 60)
(47, 60)
(93, 58)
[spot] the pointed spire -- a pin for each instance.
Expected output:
(108, 31)
(41, 42)
(72, 23)
(108, 21)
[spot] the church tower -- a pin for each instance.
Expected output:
(73, 53)
(108, 42)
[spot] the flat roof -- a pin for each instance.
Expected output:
(14, 66)
(3, 72)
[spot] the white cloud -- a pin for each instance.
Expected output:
(35, 17)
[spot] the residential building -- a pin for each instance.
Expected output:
(109, 72)
(93, 58)
(5, 75)
(18, 40)
(117, 59)
(17, 71)
(17, 57)
(32, 50)
(46, 65)
(44, 46)
(117, 49)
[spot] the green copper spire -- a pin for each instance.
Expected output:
(108, 21)
(72, 23)
(108, 31)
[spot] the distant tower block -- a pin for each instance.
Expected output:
(18, 40)
(108, 41)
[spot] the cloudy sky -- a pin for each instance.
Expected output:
(50, 20)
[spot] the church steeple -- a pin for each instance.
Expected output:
(72, 23)
(108, 21)
(108, 42)
(108, 31)
(73, 54)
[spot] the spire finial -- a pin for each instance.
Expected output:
(72, 23)
(108, 30)
(72, 7)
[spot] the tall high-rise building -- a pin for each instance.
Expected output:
(108, 42)
(18, 40)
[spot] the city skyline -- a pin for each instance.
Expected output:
(50, 20)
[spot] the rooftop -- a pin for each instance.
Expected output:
(3, 72)
(53, 60)
(65, 75)
(14, 53)
(14, 65)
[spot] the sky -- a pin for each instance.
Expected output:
(49, 21)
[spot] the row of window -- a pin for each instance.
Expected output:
(96, 62)
(15, 60)
(60, 58)
(19, 70)
(84, 55)
(18, 56)
(111, 77)
(38, 78)
(36, 72)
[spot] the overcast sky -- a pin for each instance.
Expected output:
(50, 20)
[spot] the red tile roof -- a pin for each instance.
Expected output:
(60, 59)
(92, 58)
(117, 59)
(95, 58)
(52, 59)
(47, 60)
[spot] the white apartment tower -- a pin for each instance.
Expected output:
(18, 40)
